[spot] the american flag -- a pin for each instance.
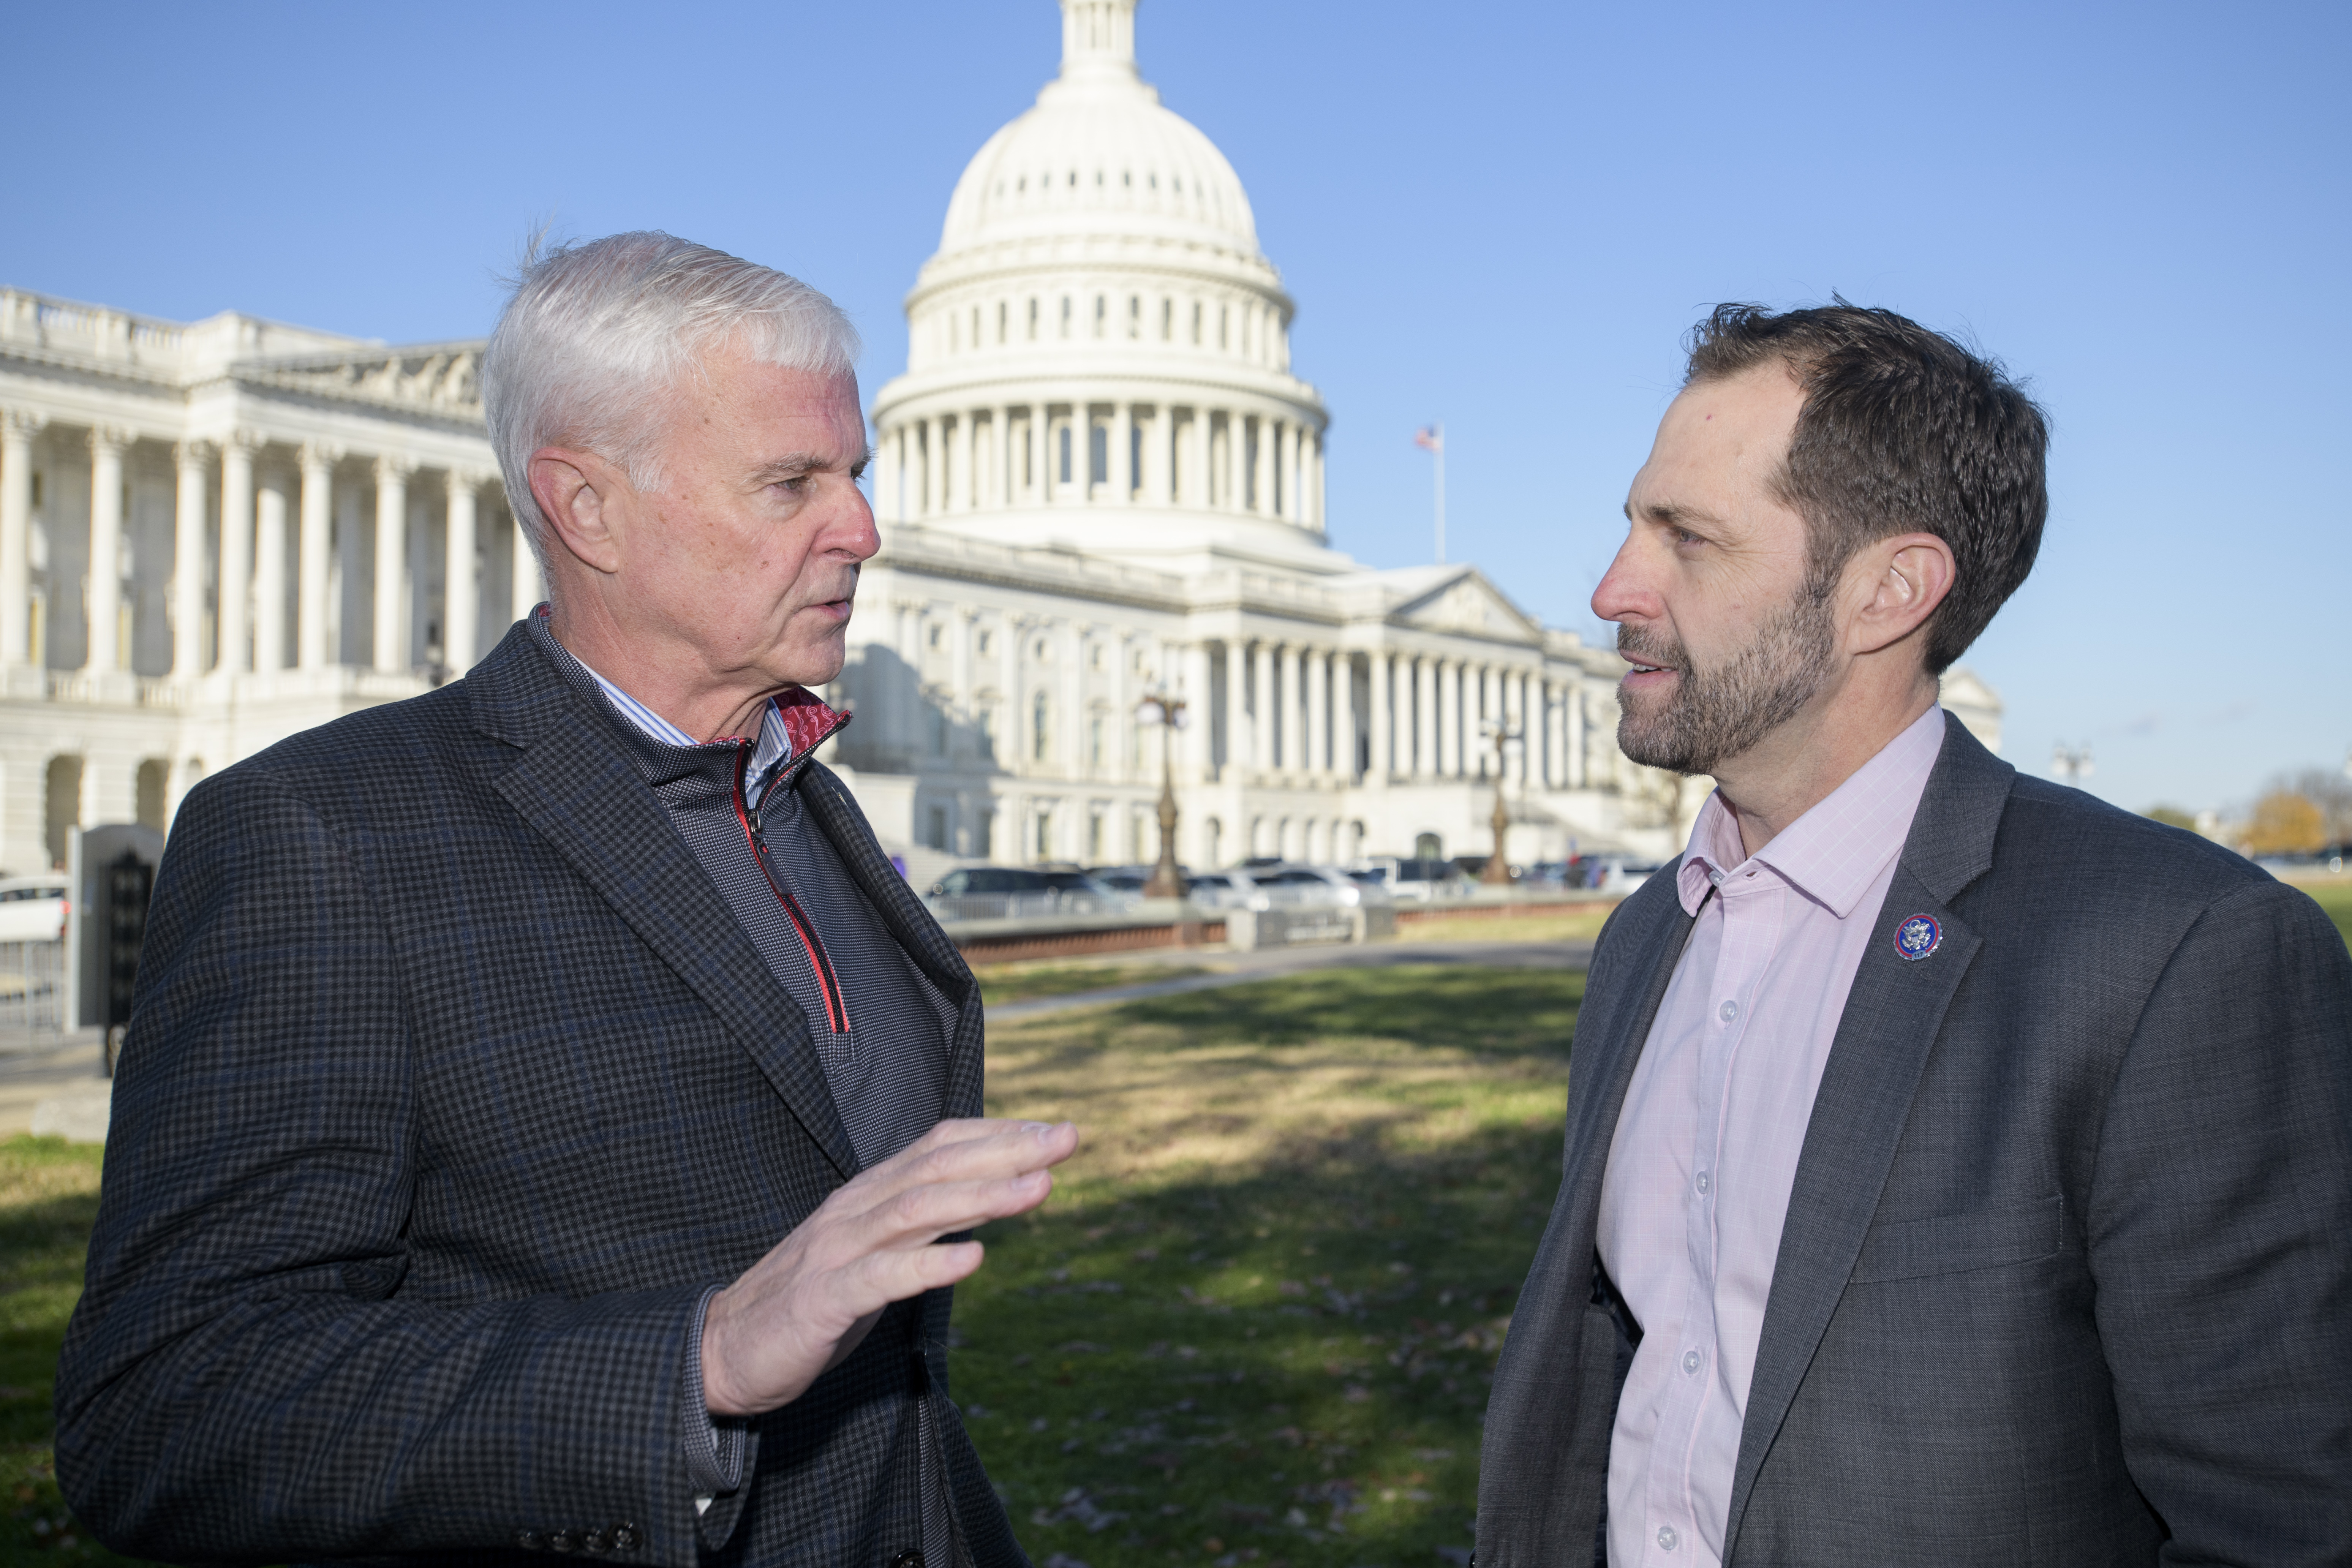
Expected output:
(1430, 438)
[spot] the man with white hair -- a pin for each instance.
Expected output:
(547, 1123)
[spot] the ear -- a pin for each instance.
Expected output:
(1905, 577)
(579, 494)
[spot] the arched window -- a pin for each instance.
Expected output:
(1003, 314)
(1196, 323)
(1102, 315)
(1066, 314)
(1135, 315)
(1033, 320)
(1167, 320)
(1066, 453)
(1041, 728)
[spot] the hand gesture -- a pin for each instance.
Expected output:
(805, 1306)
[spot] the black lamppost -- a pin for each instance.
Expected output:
(1498, 867)
(1167, 712)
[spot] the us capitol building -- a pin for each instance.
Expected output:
(1099, 481)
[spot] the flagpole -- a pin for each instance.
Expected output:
(1440, 455)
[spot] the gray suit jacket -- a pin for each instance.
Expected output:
(2067, 1271)
(452, 1083)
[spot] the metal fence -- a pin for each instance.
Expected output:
(32, 985)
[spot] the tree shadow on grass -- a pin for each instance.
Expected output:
(1281, 1356)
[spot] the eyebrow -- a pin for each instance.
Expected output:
(795, 463)
(1671, 514)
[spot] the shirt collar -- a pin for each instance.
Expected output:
(1834, 852)
(794, 723)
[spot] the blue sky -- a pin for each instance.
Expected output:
(1502, 216)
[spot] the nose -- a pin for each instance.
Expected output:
(1622, 595)
(851, 530)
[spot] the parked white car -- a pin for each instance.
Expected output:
(1315, 885)
(33, 909)
(1226, 890)
(1424, 881)
(1621, 876)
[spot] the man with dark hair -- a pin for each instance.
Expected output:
(1958, 1169)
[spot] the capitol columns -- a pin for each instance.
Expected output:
(1000, 469)
(1314, 489)
(1317, 754)
(1290, 474)
(392, 473)
(1237, 711)
(269, 558)
(1574, 739)
(192, 459)
(1347, 722)
(233, 654)
(1244, 464)
(1195, 687)
(1263, 689)
(1453, 685)
(1377, 695)
(17, 428)
(1123, 453)
(318, 459)
(107, 445)
(1262, 470)
(963, 484)
(461, 594)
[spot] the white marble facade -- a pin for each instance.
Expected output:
(284, 513)
(1097, 478)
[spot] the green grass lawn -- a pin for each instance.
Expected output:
(1060, 977)
(1257, 1322)
(49, 1198)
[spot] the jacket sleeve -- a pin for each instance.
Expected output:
(2219, 1229)
(246, 1377)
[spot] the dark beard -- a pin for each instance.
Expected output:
(1718, 713)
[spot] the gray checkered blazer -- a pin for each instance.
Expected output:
(451, 1085)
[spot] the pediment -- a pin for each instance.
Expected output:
(1467, 606)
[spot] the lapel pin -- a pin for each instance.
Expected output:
(1916, 937)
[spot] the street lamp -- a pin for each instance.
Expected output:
(1166, 711)
(1498, 866)
(2072, 765)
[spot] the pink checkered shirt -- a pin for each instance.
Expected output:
(1705, 1151)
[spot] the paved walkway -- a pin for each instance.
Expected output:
(35, 1068)
(1240, 968)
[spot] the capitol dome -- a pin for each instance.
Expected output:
(1099, 153)
(1098, 354)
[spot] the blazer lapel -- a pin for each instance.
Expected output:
(578, 792)
(1892, 1017)
(1601, 1070)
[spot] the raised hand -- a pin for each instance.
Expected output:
(806, 1305)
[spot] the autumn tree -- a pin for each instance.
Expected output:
(2285, 823)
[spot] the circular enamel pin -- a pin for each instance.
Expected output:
(1918, 937)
